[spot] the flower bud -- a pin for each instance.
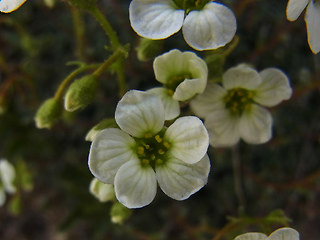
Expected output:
(83, 4)
(80, 93)
(119, 213)
(48, 113)
(148, 49)
(106, 123)
(102, 191)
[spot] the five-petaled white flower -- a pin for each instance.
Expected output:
(312, 19)
(279, 234)
(183, 75)
(205, 24)
(8, 6)
(232, 111)
(7, 176)
(143, 152)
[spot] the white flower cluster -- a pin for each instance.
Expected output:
(146, 151)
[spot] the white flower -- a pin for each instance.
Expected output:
(312, 19)
(232, 111)
(205, 24)
(183, 75)
(102, 191)
(7, 176)
(8, 6)
(279, 234)
(144, 152)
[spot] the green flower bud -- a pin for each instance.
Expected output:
(119, 213)
(148, 49)
(106, 123)
(215, 64)
(102, 191)
(83, 4)
(80, 93)
(48, 113)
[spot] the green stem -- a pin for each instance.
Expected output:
(112, 59)
(79, 33)
(63, 86)
(106, 27)
(237, 176)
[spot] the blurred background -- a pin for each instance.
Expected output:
(250, 187)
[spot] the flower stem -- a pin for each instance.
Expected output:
(106, 27)
(237, 177)
(63, 86)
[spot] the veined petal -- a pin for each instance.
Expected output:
(175, 64)
(241, 76)
(171, 106)
(7, 176)
(223, 128)
(8, 6)
(273, 89)
(139, 112)
(252, 236)
(110, 149)
(179, 180)
(255, 125)
(295, 8)
(135, 186)
(155, 19)
(188, 138)
(312, 19)
(284, 234)
(210, 100)
(210, 28)
(187, 89)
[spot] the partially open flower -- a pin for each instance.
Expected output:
(143, 152)
(205, 24)
(183, 75)
(233, 110)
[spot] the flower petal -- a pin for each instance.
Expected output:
(284, 234)
(8, 6)
(171, 106)
(155, 19)
(295, 8)
(7, 176)
(241, 76)
(252, 236)
(135, 186)
(139, 112)
(210, 28)
(223, 128)
(273, 89)
(211, 99)
(255, 125)
(110, 149)
(188, 138)
(179, 180)
(312, 19)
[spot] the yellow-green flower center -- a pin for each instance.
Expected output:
(190, 5)
(238, 100)
(173, 82)
(152, 149)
